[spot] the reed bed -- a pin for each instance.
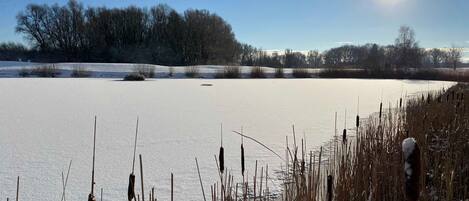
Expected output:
(46, 71)
(372, 167)
(279, 73)
(229, 72)
(146, 70)
(257, 72)
(369, 164)
(192, 71)
(301, 73)
(80, 71)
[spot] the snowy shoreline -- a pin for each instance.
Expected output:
(12, 69)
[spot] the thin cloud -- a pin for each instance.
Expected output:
(344, 42)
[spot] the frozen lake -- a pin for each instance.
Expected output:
(44, 123)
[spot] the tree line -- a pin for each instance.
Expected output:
(404, 53)
(157, 35)
(161, 35)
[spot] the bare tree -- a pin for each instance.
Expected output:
(454, 56)
(314, 59)
(408, 51)
(437, 57)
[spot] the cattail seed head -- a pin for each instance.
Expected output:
(329, 187)
(221, 158)
(400, 102)
(357, 123)
(303, 164)
(131, 189)
(344, 136)
(91, 197)
(242, 160)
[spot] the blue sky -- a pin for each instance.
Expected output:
(307, 24)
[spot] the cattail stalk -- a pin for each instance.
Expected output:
(329, 188)
(200, 179)
(17, 188)
(255, 178)
(172, 187)
(91, 195)
(141, 176)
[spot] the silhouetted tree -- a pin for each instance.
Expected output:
(407, 49)
(454, 56)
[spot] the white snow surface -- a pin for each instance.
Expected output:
(46, 122)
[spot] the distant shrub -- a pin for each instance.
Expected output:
(79, 71)
(412, 74)
(279, 73)
(219, 74)
(191, 71)
(146, 70)
(134, 77)
(171, 72)
(301, 73)
(46, 71)
(231, 72)
(257, 72)
(24, 72)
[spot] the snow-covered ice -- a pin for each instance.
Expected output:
(46, 122)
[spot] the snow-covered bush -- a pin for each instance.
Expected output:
(134, 77)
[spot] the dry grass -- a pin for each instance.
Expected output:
(372, 168)
(146, 70)
(46, 71)
(301, 73)
(370, 165)
(230, 72)
(279, 73)
(79, 71)
(412, 74)
(191, 71)
(257, 72)
(24, 72)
